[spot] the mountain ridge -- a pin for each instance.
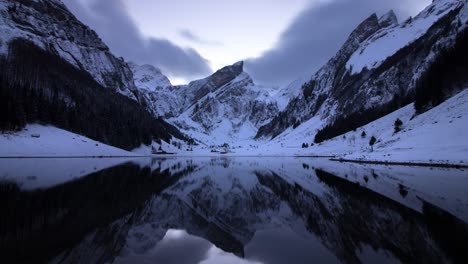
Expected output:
(336, 90)
(51, 26)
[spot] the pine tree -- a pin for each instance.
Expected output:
(372, 142)
(397, 125)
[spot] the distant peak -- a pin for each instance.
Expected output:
(388, 19)
(239, 64)
(226, 74)
(372, 17)
(367, 27)
(369, 22)
(148, 77)
(235, 69)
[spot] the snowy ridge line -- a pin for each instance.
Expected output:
(387, 41)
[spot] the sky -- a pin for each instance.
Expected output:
(279, 40)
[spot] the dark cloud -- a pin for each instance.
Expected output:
(316, 35)
(116, 28)
(190, 36)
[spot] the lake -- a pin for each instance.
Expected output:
(230, 210)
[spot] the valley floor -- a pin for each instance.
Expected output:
(438, 136)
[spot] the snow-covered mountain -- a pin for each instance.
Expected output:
(377, 69)
(55, 70)
(148, 77)
(51, 26)
(378, 65)
(222, 108)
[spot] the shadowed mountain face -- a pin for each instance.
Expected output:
(263, 210)
(50, 25)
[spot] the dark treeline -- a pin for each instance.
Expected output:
(446, 74)
(353, 121)
(38, 86)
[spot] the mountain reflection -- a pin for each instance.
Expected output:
(234, 210)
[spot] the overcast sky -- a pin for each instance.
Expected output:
(280, 40)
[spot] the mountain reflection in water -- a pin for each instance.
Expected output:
(230, 210)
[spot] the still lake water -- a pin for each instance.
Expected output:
(230, 210)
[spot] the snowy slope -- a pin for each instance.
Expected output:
(157, 91)
(436, 136)
(54, 142)
(284, 95)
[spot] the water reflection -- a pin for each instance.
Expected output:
(231, 210)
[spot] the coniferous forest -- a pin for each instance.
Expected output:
(446, 75)
(38, 86)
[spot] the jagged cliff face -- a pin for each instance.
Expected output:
(380, 60)
(222, 108)
(170, 101)
(51, 26)
(230, 113)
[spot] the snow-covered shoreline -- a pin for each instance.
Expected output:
(36, 141)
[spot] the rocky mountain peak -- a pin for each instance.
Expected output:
(216, 80)
(368, 27)
(148, 77)
(227, 74)
(388, 19)
(364, 30)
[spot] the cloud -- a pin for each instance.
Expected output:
(111, 21)
(190, 36)
(317, 34)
